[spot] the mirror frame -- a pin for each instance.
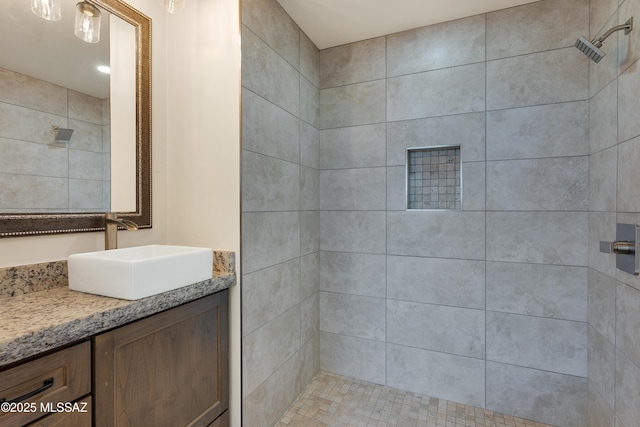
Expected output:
(28, 224)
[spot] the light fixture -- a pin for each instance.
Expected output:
(46, 9)
(174, 6)
(87, 27)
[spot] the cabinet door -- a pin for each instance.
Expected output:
(169, 369)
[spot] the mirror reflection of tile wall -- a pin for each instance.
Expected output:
(39, 174)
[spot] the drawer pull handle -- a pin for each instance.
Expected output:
(48, 383)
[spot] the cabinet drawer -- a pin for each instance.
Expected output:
(67, 419)
(63, 376)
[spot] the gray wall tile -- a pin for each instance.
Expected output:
(269, 293)
(309, 60)
(551, 398)
(602, 180)
(466, 130)
(602, 366)
(397, 188)
(456, 378)
(535, 342)
(309, 232)
(628, 175)
(269, 184)
(309, 188)
(452, 282)
(539, 78)
(310, 274)
(539, 290)
(355, 231)
(628, 321)
(353, 147)
(309, 102)
(309, 146)
(42, 159)
(279, 231)
(538, 184)
(268, 129)
(436, 93)
(21, 90)
(357, 104)
(265, 406)
(552, 237)
(627, 390)
(309, 318)
(444, 45)
(44, 193)
(353, 357)
(602, 304)
(353, 315)
(436, 234)
(267, 348)
(35, 126)
(267, 74)
(535, 27)
(599, 413)
(351, 273)
(268, 20)
(84, 107)
(451, 330)
(353, 63)
(552, 130)
(474, 185)
(309, 360)
(603, 118)
(353, 189)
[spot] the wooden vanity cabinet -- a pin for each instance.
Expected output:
(169, 369)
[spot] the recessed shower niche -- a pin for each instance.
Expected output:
(434, 178)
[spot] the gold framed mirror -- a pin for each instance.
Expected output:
(26, 223)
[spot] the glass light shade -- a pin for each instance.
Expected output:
(46, 9)
(174, 6)
(87, 26)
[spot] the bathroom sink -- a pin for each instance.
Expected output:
(139, 272)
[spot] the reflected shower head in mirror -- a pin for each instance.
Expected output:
(62, 135)
(592, 48)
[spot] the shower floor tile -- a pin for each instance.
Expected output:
(335, 401)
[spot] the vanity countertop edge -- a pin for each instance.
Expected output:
(41, 321)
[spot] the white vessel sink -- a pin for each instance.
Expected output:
(139, 272)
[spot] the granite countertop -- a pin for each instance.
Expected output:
(40, 321)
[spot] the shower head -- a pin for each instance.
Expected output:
(62, 135)
(592, 48)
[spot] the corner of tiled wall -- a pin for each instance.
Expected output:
(614, 296)
(280, 220)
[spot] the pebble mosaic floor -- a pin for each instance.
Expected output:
(335, 401)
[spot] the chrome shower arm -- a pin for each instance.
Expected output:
(627, 27)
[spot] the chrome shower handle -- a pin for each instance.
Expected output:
(626, 247)
(617, 247)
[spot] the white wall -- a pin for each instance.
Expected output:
(203, 148)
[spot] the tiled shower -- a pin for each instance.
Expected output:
(503, 302)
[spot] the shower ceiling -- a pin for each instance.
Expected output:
(331, 23)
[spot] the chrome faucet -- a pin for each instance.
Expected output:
(111, 223)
